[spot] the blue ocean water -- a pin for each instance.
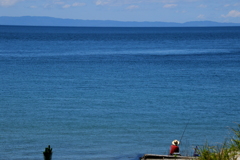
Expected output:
(116, 93)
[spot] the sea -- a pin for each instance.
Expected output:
(109, 93)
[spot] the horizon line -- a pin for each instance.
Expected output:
(120, 20)
(53, 21)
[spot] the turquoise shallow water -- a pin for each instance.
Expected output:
(116, 93)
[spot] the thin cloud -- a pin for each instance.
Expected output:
(132, 7)
(236, 4)
(63, 4)
(102, 2)
(181, 11)
(133, 2)
(33, 7)
(201, 16)
(59, 3)
(6, 3)
(78, 4)
(73, 5)
(229, 5)
(117, 2)
(203, 6)
(167, 3)
(232, 13)
(226, 5)
(170, 5)
(66, 6)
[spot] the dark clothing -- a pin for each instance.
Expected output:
(173, 149)
(195, 154)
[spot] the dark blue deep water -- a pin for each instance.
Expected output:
(116, 93)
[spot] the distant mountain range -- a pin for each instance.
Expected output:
(49, 21)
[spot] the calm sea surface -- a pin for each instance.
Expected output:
(116, 93)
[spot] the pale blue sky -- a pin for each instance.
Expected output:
(127, 10)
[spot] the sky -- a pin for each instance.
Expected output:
(179, 11)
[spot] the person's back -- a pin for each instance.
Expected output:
(174, 149)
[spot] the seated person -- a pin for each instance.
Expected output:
(174, 149)
(195, 154)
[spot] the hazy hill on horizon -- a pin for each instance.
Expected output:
(50, 21)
